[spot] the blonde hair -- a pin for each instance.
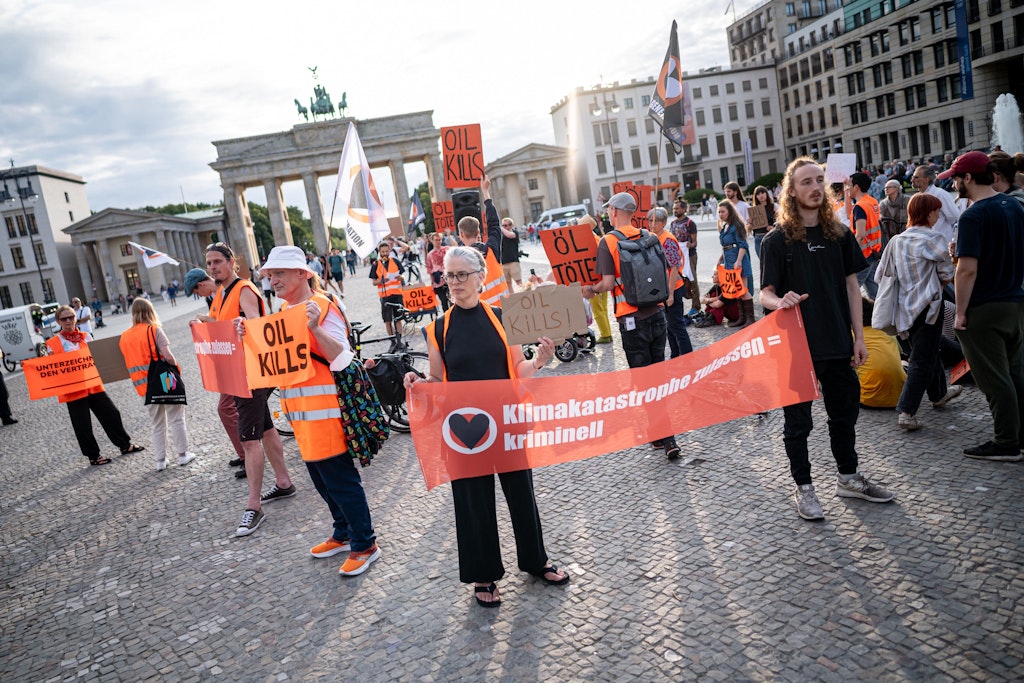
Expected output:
(56, 314)
(143, 312)
(788, 218)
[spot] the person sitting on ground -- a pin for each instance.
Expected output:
(882, 374)
(716, 307)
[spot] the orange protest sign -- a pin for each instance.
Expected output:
(221, 358)
(444, 216)
(463, 156)
(572, 252)
(734, 285)
(621, 186)
(642, 194)
(471, 429)
(277, 349)
(958, 371)
(61, 374)
(420, 298)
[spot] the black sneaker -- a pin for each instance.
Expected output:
(276, 493)
(251, 519)
(990, 451)
(671, 448)
(240, 474)
(657, 445)
(237, 462)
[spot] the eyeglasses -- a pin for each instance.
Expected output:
(458, 277)
(66, 318)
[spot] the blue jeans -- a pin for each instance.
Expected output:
(645, 344)
(925, 372)
(337, 481)
(678, 337)
(758, 238)
(840, 389)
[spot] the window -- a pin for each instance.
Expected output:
(531, 183)
(649, 126)
(634, 154)
(602, 164)
(737, 146)
(922, 96)
(740, 175)
(617, 161)
(730, 88)
(746, 86)
(998, 43)
(20, 220)
(769, 136)
(26, 293)
(700, 117)
(815, 64)
(67, 198)
(773, 165)
(627, 102)
(917, 57)
(708, 178)
(733, 113)
(652, 153)
(748, 109)
(766, 107)
(905, 61)
(2, 268)
(598, 140)
(716, 114)
(831, 87)
(954, 87)
(752, 136)
(645, 100)
(915, 29)
(720, 144)
(17, 257)
(796, 99)
(71, 216)
(40, 251)
(790, 9)
(880, 107)
(890, 104)
(631, 128)
(713, 90)
(785, 101)
(5, 297)
(11, 231)
(939, 51)
(703, 144)
(810, 122)
(909, 99)
(762, 84)
(670, 154)
(48, 290)
(829, 58)
(723, 173)
(696, 93)
(943, 92)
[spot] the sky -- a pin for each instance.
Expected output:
(130, 95)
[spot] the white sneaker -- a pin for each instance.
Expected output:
(186, 459)
(951, 393)
(807, 504)
(860, 487)
(161, 465)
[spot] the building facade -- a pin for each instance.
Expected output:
(37, 260)
(531, 179)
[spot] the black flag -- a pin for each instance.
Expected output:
(668, 104)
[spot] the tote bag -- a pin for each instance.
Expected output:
(163, 384)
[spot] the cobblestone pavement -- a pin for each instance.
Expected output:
(687, 570)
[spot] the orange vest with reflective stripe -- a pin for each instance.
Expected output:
(138, 349)
(230, 307)
(431, 332)
(872, 243)
(313, 407)
(494, 284)
(665, 236)
(57, 348)
(618, 291)
(385, 288)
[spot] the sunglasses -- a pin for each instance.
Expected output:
(66, 318)
(222, 248)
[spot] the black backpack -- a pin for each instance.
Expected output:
(643, 270)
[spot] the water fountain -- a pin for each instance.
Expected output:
(1006, 125)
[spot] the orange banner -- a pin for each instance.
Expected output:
(417, 299)
(221, 359)
(470, 429)
(733, 284)
(463, 156)
(61, 374)
(572, 253)
(277, 349)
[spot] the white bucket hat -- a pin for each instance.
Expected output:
(287, 258)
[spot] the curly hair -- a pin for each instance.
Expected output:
(788, 218)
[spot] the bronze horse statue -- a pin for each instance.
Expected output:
(322, 105)
(302, 110)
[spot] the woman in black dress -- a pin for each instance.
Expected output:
(473, 347)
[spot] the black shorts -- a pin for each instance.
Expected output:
(254, 415)
(337, 275)
(388, 312)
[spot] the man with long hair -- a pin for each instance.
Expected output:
(811, 260)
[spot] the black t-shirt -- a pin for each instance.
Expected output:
(473, 349)
(510, 248)
(817, 267)
(992, 231)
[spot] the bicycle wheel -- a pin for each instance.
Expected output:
(281, 423)
(9, 364)
(398, 414)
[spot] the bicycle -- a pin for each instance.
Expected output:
(387, 370)
(281, 423)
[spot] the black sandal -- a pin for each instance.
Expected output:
(487, 589)
(551, 569)
(133, 449)
(102, 460)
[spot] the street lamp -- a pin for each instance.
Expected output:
(23, 194)
(612, 107)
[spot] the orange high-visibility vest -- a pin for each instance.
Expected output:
(431, 332)
(387, 288)
(56, 348)
(494, 284)
(138, 348)
(230, 307)
(313, 406)
(872, 243)
(664, 237)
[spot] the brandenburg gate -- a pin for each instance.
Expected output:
(311, 150)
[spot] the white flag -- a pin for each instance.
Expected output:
(153, 258)
(356, 197)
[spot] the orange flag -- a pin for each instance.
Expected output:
(468, 429)
(61, 374)
(277, 349)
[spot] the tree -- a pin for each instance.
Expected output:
(174, 209)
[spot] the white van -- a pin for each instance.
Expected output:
(554, 218)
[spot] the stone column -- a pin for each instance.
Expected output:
(524, 195)
(278, 216)
(435, 177)
(81, 254)
(402, 194)
(553, 193)
(114, 283)
(144, 280)
(237, 211)
(314, 203)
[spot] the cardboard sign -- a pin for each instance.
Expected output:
(221, 359)
(734, 285)
(507, 425)
(554, 311)
(419, 299)
(642, 194)
(757, 218)
(63, 373)
(277, 349)
(463, 156)
(959, 371)
(109, 360)
(839, 167)
(572, 252)
(444, 216)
